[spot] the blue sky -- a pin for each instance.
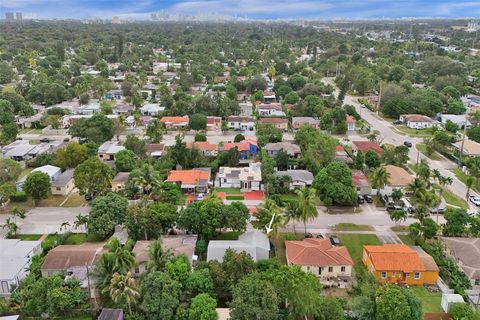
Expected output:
(256, 9)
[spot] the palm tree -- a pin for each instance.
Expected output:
(158, 256)
(146, 177)
(292, 213)
(397, 194)
(80, 220)
(124, 259)
(380, 177)
(469, 184)
(123, 288)
(22, 214)
(104, 270)
(416, 186)
(264, 215)
(307, 199)
(424, 172)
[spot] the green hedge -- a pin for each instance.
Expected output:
(19, 196)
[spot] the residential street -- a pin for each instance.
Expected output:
(389, 135)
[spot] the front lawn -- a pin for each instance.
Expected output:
(423, 149)
(346, 226)
(235, 198)
(399, 228)
(355, 242)
(79, 238)
(228, 190)
(407, 239)
(74, 200)
(414, 132)
(454, 200)
(430, 300)
(463, 177)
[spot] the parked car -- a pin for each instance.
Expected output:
(308, 235)
(368, 198)
(360, 200)
(407, 144)
(437, 210)
(397, 122)
(394, 207)
(200, 196)
(319, 236)
(472, 213)
(334, 240)
(45, 140)
(475, 200)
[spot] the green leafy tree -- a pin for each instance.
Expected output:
(136, 145)
(106, 212)
(200, 282)
(9, 170)
(461, 311)
(197, 121)
(125, 161)
(160, 296)
(203, 307)
(330, 309)
(93, 177)
(98, 128)
(394, 303)
(359, 161)
(154, 131)
(372, 159)
(334, 184)
(37, 185)
(254, 298)
(71, 156)
(456, 222)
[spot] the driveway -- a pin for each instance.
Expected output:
(44, 220)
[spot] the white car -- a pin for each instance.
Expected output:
(200, 197)
(475, 200)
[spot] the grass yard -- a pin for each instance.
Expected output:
(407, 239)
(51, 241)
(29, 237)
(279, 244)
(288, 197)
(399, 229)
(228, 190)
(75, 200)
(230, 235)
(413, 132)
(352, 227)
(52, 201)
(454, 200)
(463, 177)
(30, 131)
(355, 242)
(25, 171)
(235, 198)
(423, 149)
(79, 238)
(430, 300)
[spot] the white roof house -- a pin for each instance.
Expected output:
(300, 178)
(254, 242)
(460, 119)
(52, 171)
(108, 149)
(16, 256)
(151, 109)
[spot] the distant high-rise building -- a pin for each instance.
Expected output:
(116, 20)
(19, 16)
(9, 16)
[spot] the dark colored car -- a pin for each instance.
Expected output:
(397, 122)
(44, 140)
(368, 198)
(319, 236)
(407, 144)
(334, 240)
(308, 235)
(360, 200)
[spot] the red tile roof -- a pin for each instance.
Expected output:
(174, 119)
(213, 120)
(350, 119)
(365, 146)
(203, 146)
(394, 257)
(316, 252)
(191, 177)
(416, 118)
(359, 179)
(241, 146)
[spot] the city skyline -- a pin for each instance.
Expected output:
(250, 9)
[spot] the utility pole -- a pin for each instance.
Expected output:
(463, 142)
(379, 96)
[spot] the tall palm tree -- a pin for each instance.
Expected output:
(80, 220)
(264, 215)
(146, 177)
(424, 172)
(292, 213)
(124, 259)
(416, 186)
(380, 177)
(307, 199)
(158, 256)
(104, 270)
(123, 288)
(469, 183)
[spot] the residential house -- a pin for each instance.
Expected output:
(351, 123)
(111, 314)
(26, 122)
(270, 110)
(22, 150)
(291, 149)
(365, 146)
(124, 109)
(119, 181)
(417, 121)
(206, 148)
(151, 109)
(298, 122)
(269, 97)
(254, 242)
(299, 178)
(52, 172)
(176, 244)
(114, 95)
(220, 79)
(108, 150)
(247, 148)
(214, 123)
(460, 120)
(74, 261)
(399, 178)
(89, 109)
(241, 123)
(342, 155)
(466, 252)
(175, 122)
(191, 181)
(16, 256)
(246, 178)
(155, 150)
(360, 181)
(470, 148)
(331, 264)
(64, 183)
(399, 263)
